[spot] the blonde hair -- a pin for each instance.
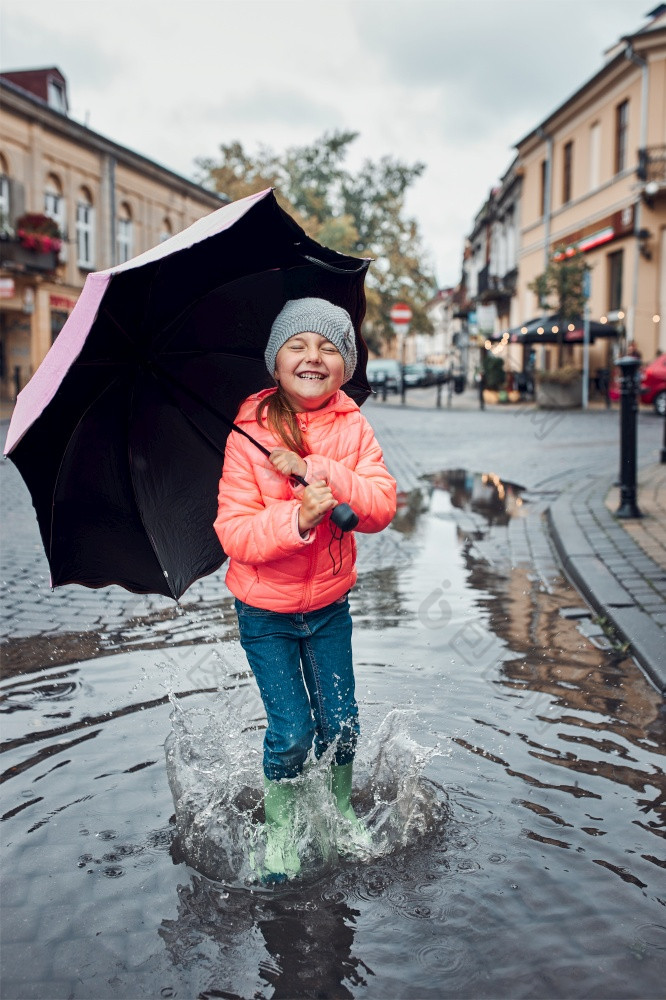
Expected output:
(281, 420)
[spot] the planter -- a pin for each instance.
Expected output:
(559, 395)
(19, 258)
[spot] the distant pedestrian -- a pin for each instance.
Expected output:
(480, 378)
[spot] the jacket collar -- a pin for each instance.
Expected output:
(340, 402)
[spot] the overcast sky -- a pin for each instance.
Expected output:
(452, 83)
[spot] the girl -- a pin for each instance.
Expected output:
(290, 568)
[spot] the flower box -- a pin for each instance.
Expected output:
(15, 256)
(561, 389)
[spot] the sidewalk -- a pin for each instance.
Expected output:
(619, 566)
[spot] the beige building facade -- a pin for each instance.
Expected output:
(100, 202)
(594, 179)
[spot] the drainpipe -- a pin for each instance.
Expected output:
(547, 197)
(547, 194)
(112, 207)
(643, 66)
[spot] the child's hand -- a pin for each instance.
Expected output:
(317, 501)
(288, 462)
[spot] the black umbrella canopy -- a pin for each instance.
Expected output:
(123, 462)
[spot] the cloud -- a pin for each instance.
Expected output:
(452, 83)
(281, 106)
(486, 58)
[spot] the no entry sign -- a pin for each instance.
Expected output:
(401, 313)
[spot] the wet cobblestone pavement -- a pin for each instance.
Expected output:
(511, 765)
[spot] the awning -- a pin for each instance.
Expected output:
(548, 329)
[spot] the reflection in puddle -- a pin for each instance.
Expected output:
(539, 754)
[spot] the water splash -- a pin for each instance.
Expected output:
(214, 768)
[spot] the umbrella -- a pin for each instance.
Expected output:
(551, 327)
(120, 433)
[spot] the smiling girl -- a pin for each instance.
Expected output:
(290, 569)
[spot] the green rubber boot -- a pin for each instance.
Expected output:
(281, 859)
(341, 786)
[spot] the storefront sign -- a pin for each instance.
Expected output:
(7, 288)
(61, 302)
(613, 227)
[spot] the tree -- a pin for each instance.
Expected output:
(563, 279)
(362, 214)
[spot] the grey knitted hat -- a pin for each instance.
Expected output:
(316, 316)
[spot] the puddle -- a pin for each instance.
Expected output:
(533, 760)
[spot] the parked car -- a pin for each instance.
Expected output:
(382, 371)
(418, 374)
(653, 385)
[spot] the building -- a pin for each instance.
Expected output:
(71, 202)
(594, 180)
(591, 177)
(440, 310)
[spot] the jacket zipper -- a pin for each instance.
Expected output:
(307, 589)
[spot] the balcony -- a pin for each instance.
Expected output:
(16, 257)
(652, 172)
(497, 289)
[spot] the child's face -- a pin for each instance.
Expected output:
(310, 370)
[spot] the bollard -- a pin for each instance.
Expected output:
(629, 377)
(439, 392)
(384, 388)
(662, 456)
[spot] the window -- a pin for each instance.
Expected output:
(56, 97)
(544, 187)
(621, 128)
(167, 230)
(4, 199)
(567, 167)
(54, 207)
(595, 156)
(615, 280)
(123, 234)
(85, 231)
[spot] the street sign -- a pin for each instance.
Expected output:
(401, 313)
(586, 284)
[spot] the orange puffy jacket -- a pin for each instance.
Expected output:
(271, 565)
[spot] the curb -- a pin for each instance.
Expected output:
(588, 572)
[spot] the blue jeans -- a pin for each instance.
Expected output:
(303, 666)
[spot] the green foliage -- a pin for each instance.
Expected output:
(361, 213)
(493, 371)
(562, 281)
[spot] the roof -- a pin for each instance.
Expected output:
(17, 99)
(617, 54)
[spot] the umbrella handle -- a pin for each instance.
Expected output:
(343, 515)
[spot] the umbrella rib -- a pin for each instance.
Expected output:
(109, 315)
(206, 405)
(64, 455)
(149, 534)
